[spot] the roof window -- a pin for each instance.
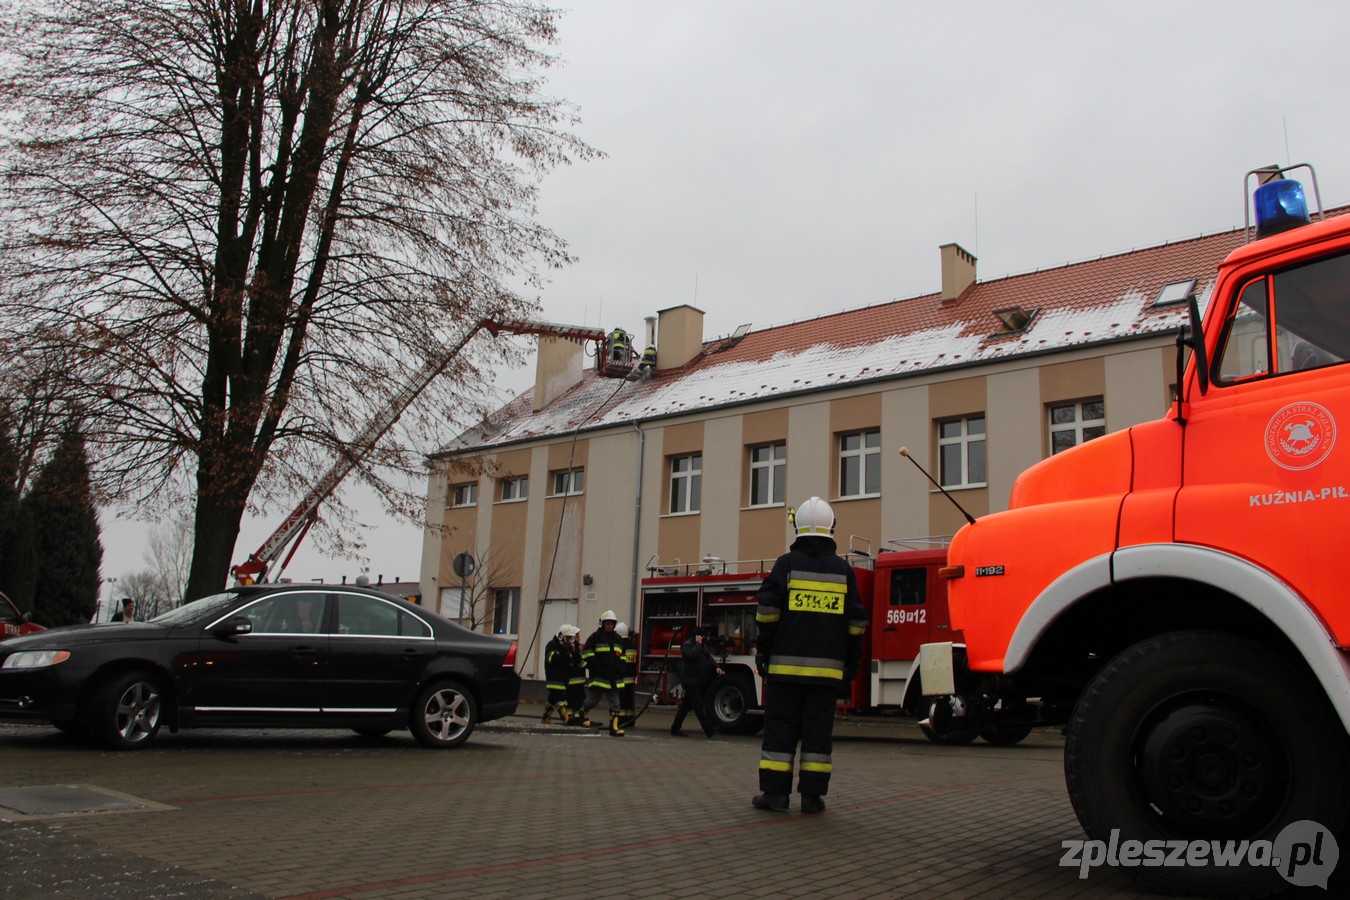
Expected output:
(1174, 293)
(1014, 320)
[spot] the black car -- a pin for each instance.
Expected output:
(275, 656)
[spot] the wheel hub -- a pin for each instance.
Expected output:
(1211, 769)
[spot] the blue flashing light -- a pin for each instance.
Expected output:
(1280, 205)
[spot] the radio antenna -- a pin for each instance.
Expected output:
(904, 451)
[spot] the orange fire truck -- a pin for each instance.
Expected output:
(907, 607)
(1173, 590)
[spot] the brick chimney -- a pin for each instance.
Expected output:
(680, 332)
(559, 366)
(958, 272)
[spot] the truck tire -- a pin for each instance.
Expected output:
(1003, 734)
(729, 702)
(941, 727)
(1199, 735)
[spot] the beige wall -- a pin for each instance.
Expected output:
(620, 524)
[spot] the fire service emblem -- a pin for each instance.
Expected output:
(1300, 435)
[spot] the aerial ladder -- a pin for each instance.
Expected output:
(296, 525)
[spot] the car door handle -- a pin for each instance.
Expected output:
(410, 651)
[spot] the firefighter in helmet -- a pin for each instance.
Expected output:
(811, 622)
(619, 348)
(576, 678)
(603, 655)
(628, 691)
(557, 671)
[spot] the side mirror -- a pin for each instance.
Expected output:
(1196, 341)
(25, 618)
(233, 627)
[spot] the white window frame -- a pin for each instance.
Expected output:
(455, 602)
(567, 482)
(965, 440)
(860, 457)
(686, 485)
(514, 489)
(1077, 425)
(774, 470)
(511, 598)
(457, 492)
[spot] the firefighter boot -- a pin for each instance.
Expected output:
(772, 802)
(812, 803)
(548, 714)
(614, 729)
(565, 714)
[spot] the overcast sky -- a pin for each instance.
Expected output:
(774, 161)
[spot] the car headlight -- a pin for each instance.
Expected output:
(35, 659)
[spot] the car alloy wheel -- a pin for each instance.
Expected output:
(443, 716)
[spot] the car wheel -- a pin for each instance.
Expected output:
(124, 711)
(443, 716)
(1204, 736)
(729, 703)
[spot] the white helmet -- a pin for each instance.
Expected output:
(621, 629)
(564, 631)
(814, 517)
(608, 616)
(572, 630)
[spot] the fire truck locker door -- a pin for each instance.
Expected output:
(901, 619)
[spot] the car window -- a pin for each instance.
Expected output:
(198, 610)
(298, 612)
(358, 615)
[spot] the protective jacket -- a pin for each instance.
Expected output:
(810, 615)
(603, 656)
(557, 664)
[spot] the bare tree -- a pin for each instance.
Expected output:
(476, 602)
(169, 554)
(249, 219)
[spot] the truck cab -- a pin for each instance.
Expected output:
(1170, 591)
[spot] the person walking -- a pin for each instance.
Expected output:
(811, 622)
(557, 671)
(128, 613)
(697, 670)
(603, 655)
(628, 690)
(576, 679)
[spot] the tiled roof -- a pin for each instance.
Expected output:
(1077, 304)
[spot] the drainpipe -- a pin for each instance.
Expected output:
(637, 527)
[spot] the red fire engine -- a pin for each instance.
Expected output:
(907, 607)
(13, 622)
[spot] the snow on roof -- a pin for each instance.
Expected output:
(1080, 304)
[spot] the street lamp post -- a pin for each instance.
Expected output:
(111, 584)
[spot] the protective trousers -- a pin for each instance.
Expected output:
(796, 712)
(693, 700)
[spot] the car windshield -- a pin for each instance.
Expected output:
(197, 610)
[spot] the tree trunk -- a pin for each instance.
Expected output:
(215, 530)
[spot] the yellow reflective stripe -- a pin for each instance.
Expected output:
(855, 630)
(816, 766)
(806, 671)
(825, 587)
(774, 765)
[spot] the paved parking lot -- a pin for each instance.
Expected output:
(525, 812)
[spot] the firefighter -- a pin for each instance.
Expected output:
(576, 679)
(619, 347)
(628, 692)
(811, 622)
(557, 670)
(603, 655)
(647, 364)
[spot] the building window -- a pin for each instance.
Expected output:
(1073, 423)
(768, 468)
(686, 483)
(961, 451)
(569, 481)
(506, 611)
(464, 494)
(860, 463)
(455, 603)
(517, 488)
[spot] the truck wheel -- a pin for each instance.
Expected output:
(729, 703)
(443, 716)
(124, 711)
(1207, 736)
(1004, 734)
(944, 726)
